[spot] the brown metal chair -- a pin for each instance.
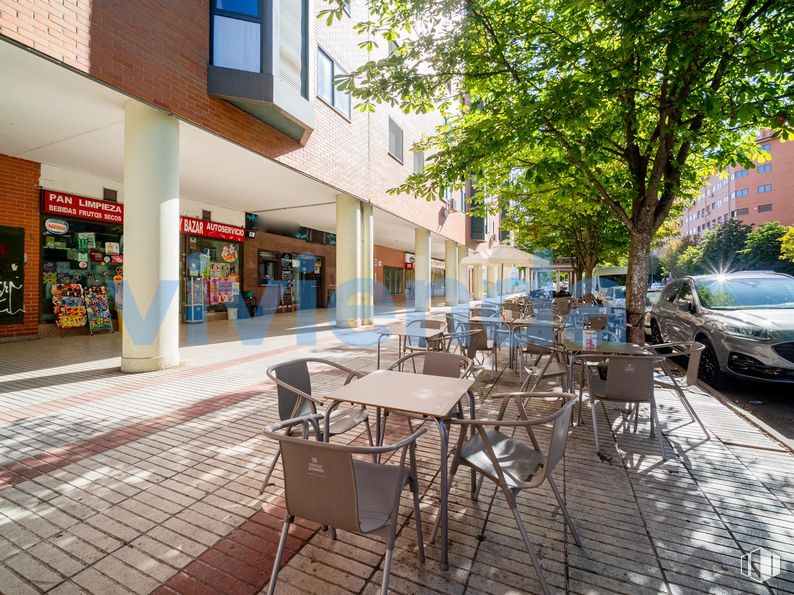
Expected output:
(629, 380)
(422, 344)
(324, 484)
(513, 465)
(691, 349)
(295, 399)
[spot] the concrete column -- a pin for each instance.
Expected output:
(463, 276)
(476, 281)
(348, 261)
(150, 340)
(450, 273)
(491, 280)
(367, 264)
(422, 290)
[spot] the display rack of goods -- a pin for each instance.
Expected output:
(98, 309)
(69, 305)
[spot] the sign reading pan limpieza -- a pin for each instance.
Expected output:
(12, 273)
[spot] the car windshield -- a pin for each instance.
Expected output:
(749, 293)
(619, 293)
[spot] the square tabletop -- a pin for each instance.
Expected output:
(409, 331)
(605, 347)
(422, 394)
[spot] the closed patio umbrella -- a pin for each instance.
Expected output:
(489, 254)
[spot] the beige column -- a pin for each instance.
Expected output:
(348, 261)
(463, 276)
(367, 264)
(491, 280)
(450, 273)
(150, 339)
(422, 290)
(476, 281)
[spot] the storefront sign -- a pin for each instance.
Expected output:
(211, 229)
(69, 205)
(56, 226)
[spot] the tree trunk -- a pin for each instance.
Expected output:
(637, 285)
(587, 280)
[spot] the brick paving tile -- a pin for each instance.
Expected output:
(151, 483)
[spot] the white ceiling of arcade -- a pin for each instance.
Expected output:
(52, 115)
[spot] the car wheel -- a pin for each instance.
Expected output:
(656, 333)
(709, 370)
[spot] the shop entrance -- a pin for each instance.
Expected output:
(393, 280)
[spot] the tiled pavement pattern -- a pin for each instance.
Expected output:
(113, 484)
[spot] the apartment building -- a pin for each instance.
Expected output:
(189, 155)
(754, 196)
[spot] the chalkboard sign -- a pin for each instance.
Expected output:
(12, 273)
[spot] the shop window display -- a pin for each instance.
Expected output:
(217, 263)
(83, 254)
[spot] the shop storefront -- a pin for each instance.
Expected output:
(212, 255)
(82, 258)
(437, 276)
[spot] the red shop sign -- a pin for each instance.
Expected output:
(69, 205)
(211, 229)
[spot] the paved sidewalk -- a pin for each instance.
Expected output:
(111, 483)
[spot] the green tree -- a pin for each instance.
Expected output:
(721, 248)
(639, 95)
(787, 245)
(762, 248)
(672, 255)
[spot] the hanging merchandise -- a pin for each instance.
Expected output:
(69, 306)
(97, 309)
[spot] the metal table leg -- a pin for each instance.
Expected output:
(443, 506)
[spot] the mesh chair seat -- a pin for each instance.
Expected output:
(374, 489)
(344, 419)
(517, 461)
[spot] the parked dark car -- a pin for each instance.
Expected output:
(745, 320)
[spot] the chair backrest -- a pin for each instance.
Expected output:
(478, 340)
(630, 378)
(441, 363)
(295, 374)
(561, 306)
(451, 326)
(559, 436)
(483, 312)
(694, 363)
(319, 483)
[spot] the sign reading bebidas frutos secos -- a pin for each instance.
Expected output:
(212, 229)
(70, 205)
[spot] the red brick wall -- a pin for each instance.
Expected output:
(158, 52)
(19, 207)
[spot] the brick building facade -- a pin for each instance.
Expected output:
(755, 196)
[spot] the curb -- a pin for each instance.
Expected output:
(786, 443)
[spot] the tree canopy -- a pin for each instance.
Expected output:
(640, 96)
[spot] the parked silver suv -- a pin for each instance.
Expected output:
(745, 320)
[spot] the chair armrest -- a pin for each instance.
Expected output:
(384, 448)
(287, 424)
(539, 395)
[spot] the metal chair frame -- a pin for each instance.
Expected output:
(482, 453)
(304, 461)
(305, 403)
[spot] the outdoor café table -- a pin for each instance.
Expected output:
(415, 394)
(402, 331)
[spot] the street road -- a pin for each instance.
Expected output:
(771, 403)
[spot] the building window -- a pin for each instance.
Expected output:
(765, 188)
(740, 212)
(395, 141)
(762, 169)
(767, 147)
(237, 35)
(765, 208)
(742, 192)
(739, 174)
(419, 161)
(327, 71)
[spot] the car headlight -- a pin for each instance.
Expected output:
(746, 331)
